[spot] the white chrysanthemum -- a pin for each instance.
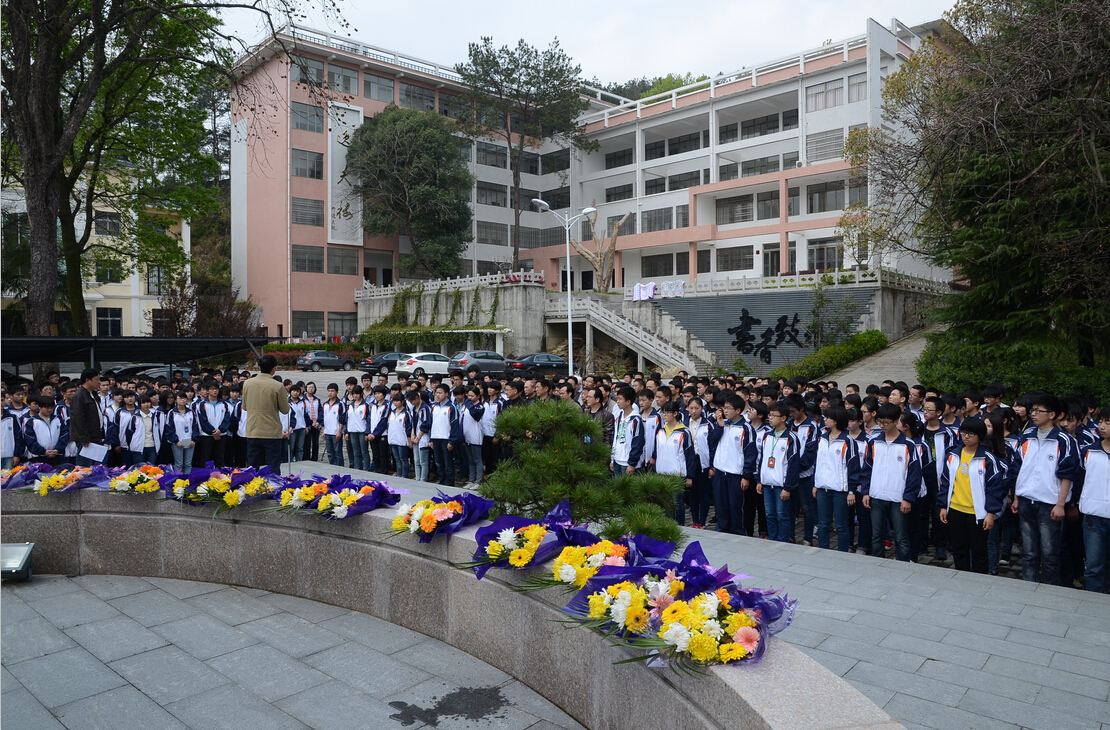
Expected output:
(404, 509)
(678, 636)
(242, 493)
(596, 561)
(712, 603)
(202, 490)
(296, 501)
(179, 491)
(121, 485)
(567, 573)
(624, 598)
(618, 611)
(414, 525)
(418, 513)
(340, 511)
(713, 627)
(507, 538)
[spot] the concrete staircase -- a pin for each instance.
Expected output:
(654, 318)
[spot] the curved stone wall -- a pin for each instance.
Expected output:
(358, 565)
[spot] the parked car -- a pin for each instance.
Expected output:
(421, 363)
(317, 360)
(382, 364)
(540, 364)
(480, 361)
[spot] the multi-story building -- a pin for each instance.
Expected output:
(741, 175)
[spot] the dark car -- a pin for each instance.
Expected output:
(316, 360)
(478, 361)
(382, 364)
(540, 364)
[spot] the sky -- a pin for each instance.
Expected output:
(617, 41)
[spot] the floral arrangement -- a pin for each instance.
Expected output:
(440, 515)
(66, 479)
(143, 480)
(576, 565)
(518, 543)
(587, 554)
(337, 497)
(16, 472)
(26, 475)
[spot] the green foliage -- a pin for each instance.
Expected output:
(410, 337)
(832, 318)
(832, 358)
(559, 454)
(956, 364)
(276, 347)
(287, 358)
(406, 166)
(670, 82)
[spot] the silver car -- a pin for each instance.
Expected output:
(480, 361)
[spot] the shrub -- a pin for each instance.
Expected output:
(287, 356)
(832, 358)
(275, 348)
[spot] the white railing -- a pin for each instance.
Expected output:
(712, 285)
(347, 45)
(623, 330)
(462, 283)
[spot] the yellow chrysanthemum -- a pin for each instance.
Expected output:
(494, 549)
(636, 619)
(400, 522)
(583, 574)
(598, 607)
(286, 497)
(703, 647)
(732, 652)
(675, 612)
(231, 499)
(519, 558)
(737, 620)
(148, 486)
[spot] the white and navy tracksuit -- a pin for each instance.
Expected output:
(733, 454)
(1039, 470)
(628, 441)
(891, 475)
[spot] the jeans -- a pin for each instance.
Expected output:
(474, 451)
(149, 455)
(729, 498)
(445, 462)
(969, 542)
(312, 443)
(335, 450)
(1000, 540)
(421, 458)
(183, 459)
(1096, 540)
(265, 452)
(296, 444)
(6, 462)
(1041, 539)
(833, 506)
(360, 448)
(401, 458)
(883, 512)
(809, 506)
(778, 513)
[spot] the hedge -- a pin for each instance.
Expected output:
(956, 365)
(277, 347)
(287, 358)
(832, 358)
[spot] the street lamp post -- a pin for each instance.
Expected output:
(567, 220)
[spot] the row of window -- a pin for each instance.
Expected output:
(824, 254)
(831, 93)
(310, 260)
(759, 126)
(498, 234)
(309, 71)
(311, 323)
(820, 198)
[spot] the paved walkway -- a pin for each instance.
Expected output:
(895, 362)
(117, 653)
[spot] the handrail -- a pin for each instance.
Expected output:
(846, 278)
(624, 330)
(462, 283)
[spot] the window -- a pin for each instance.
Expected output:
(417, 97)
(826, 254)
(628, 229)
(493, 155)
(682, 216)
(526, 198)
(495, 234)
(684, 180)
(660, 219)
(157, 280)
(308, 212)
(309, 259)
(655, 150)
(824, 96)
(161, 323)
(825, 145)
(307, 324)
(310, 118)
(537, 237)
(729, 171)
(307, 71)
(682, 263)
(734, 210)
(857, 88)
(378, 88)
(619, 192)
(587, 231)
(109, 322)
(342, 79)
(464, 149)
(618, 159)
(793, 202)
(653, 266)
(486, 268)
(857, 194)
(555, 161)
(728, 133)
(789, 160)
(760, 166)
(342, 324)
(109, 273)
(684, 143)
(308, 164)
(493, 194)
(343, 261)
(738, 258)
(767, 205)
(759, 126)
(450, 105)
(557, 198)
(825, 197)
(705, 260)
(531, 163)
(655, 185)
(107, 223)
(789, 119)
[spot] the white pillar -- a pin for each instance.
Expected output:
(589, 348)
(499, 342)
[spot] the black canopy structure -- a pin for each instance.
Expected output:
(168, 350)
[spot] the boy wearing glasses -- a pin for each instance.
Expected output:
(778, 463)
(890, 481)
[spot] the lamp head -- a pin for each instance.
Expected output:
(587, 211)
(541, 204)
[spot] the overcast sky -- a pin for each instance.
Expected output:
(618, 41)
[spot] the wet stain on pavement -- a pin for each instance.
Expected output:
(469, 703)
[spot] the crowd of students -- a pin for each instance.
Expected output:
(892, 466)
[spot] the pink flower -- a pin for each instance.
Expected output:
(442, 513)
(614, 560)
(662, 601)
(747, 637)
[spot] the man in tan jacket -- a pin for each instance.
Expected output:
(264, 398)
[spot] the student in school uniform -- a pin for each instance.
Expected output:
(421, 434)
(755, 510)
(971, 491)
(652, 422)
(779, 461)
(334, 416)
(399, 433)
(379, 421)
(133, 429)
(491, 444)
(180, 432)
(918, 518)
(461, 453)
(835, 479)
(890, 481)
(472, 421)
(675, 454)
(445, 433)
(733, 450)
(214, 419)
(298, 422)
(809, 434)
(700, 491)
(628, 434)
(44, 435)
(355, 430)
(312, 417)
(236, 450)
(12, 447)
(1094, 506)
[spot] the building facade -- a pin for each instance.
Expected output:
(741, 175)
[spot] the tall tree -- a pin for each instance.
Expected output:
(603, 256)
(526, 97)
(407, 167)
(994, 161)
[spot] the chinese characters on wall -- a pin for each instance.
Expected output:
(785, 330)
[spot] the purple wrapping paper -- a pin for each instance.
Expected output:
(558, 517)
(475, 508)
(381, 496)
(26, 476)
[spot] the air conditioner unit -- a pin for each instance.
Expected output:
(800, 163)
